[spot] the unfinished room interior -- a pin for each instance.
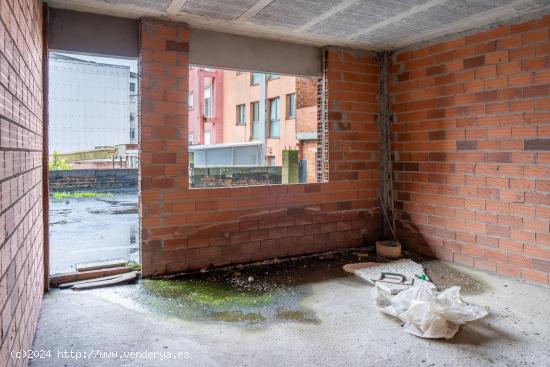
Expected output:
(314, 182)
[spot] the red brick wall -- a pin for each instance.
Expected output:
(21, 234)
(471, 137)
(185, 229)
(306, 93)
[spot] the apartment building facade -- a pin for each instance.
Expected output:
(277, 112)
(91, 104)
(205, 104)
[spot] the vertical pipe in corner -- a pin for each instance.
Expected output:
(387, 228)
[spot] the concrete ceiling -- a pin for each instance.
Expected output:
(368, 24)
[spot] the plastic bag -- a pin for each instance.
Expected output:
(426, 312)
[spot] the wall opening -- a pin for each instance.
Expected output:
(93, 160)
(248, 128)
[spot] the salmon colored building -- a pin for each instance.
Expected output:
(278, 111)
(205, 106)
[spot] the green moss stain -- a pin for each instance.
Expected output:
(221, 300)
(211, 294)
(248, 296)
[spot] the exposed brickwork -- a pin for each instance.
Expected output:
(235, 176)
(471, 139)
(93, 179)
(186, 229)
(306, 93)
(21, 225)
(352, 112)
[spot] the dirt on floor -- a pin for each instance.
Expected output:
(259, 294)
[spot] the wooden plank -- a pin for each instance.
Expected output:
(100, 279)
(120, 279)
(100, 264)
(76, 276)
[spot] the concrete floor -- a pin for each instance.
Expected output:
(347, 331)
(93, 229)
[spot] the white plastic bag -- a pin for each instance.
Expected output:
(426, 312)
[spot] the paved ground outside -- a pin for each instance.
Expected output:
(92, 229)
(327, 318)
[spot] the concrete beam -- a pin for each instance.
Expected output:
(73, 31)
(222, 50)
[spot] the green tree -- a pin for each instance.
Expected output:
(58, 163)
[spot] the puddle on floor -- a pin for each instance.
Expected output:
(248, 296)
(260, 295)
(445, 277)
(223, 301)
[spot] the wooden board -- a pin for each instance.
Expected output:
(120, 279)
(100, 265)
(100, 279)
(75, 276)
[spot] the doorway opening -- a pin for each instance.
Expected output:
(93, 160)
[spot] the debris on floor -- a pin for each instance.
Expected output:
(375, 274)
(97, 274)
(253, 296)
(75, 276)
(403, 290)
(125, 278)
(446, 277)
(426, 312)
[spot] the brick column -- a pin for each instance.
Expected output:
(164, 67)
(352, 112)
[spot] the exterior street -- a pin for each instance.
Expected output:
(93, 229)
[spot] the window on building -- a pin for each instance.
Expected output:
(274, 118)
(190, 139)
(273, 76)
(255, 78)
(132, 87)
(207, 140)
(208, 101)
(290, 106)
(271, 161)
(241, 114)
(255, 118)
(132, 116)
(190, 100)
(132, 134)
